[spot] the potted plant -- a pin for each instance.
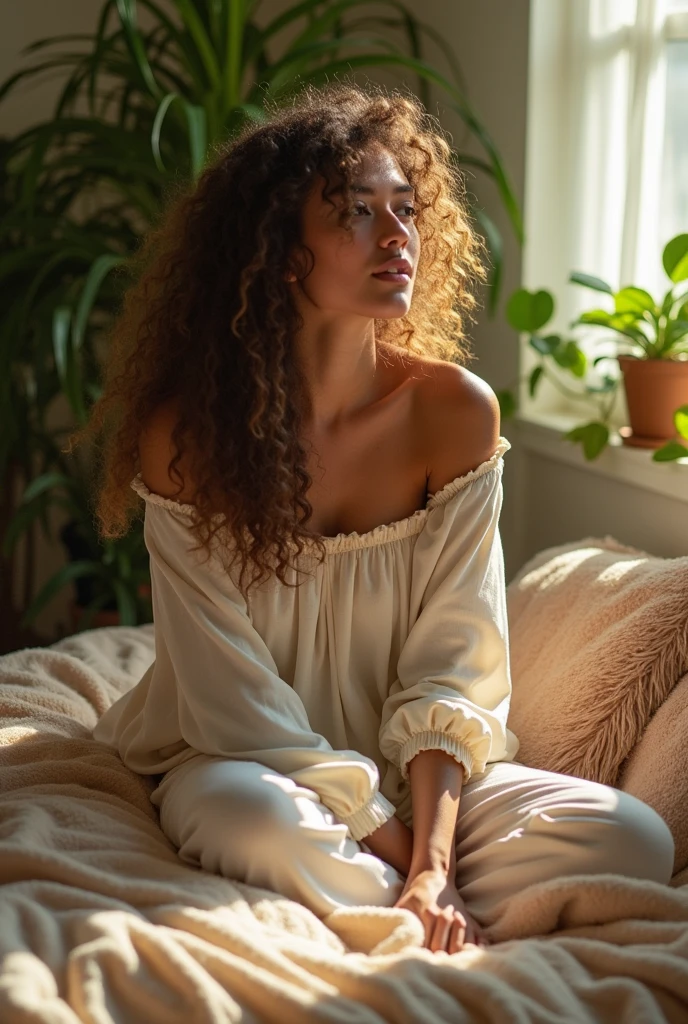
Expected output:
(82, 188)
(111, 578)
(650, 348)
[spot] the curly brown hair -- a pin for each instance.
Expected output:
(209, 318)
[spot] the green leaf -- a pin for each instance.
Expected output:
(588, 281)
(608, 384)
(47, 482)
(675, 330)
(669, 452)
(67, 574)
(127, 12)
(496, 248)
(534, 379)
(67, 364)
(601, 317)
(126, 603)
(529, 311)
(547, 345)
(593, 436)
(622, 323)
(634, 300)
(198, 136)
(675, 258)
(507, 403)
(194, 24)
(100, 268)
(570, 357)
(19, 524)
(681, 420)
(198, 139)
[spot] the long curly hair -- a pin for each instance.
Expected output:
(208, 319)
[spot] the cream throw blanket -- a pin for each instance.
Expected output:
(100, 921)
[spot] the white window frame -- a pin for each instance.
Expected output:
(595, 128)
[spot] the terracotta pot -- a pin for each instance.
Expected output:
(655, 388)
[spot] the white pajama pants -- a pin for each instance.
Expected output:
(516, 826)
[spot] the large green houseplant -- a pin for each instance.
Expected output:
(81, 188)
(650, 346)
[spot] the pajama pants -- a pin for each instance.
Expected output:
(516, 826)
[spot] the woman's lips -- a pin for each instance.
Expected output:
(399, 278)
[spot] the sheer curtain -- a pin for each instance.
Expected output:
(595, 132)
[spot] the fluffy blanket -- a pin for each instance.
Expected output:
(100, 921)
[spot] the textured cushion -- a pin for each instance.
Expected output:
(656, 770)
(599, 638)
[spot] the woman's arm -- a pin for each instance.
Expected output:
(436, 781)
(430, 890)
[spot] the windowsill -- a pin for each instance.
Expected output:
(541, 433)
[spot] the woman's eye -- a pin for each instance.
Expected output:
(406, 206)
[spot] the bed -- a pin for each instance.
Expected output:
(100, 921)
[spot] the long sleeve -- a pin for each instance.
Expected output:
(216, 685)
(453, 685)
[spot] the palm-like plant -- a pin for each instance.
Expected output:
(140, 107)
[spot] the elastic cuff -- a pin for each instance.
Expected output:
(371, 816)
(430, 740)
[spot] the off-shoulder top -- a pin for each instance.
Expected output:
(396, 643)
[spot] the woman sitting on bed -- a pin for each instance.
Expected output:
(322, 478)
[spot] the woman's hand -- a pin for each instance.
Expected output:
(436, 901)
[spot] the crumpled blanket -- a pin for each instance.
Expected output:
(101, 921)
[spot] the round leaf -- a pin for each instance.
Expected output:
(529, 311)
(634, 300)
(669, 452)
(675, 258)
(681, 420)
(593, 436)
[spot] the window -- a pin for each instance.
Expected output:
(606, 161)
(674, 180)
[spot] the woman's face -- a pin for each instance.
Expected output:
(383, 228)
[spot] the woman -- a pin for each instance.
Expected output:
(290, 392)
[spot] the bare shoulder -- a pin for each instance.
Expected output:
(156, 451)
(460, 422)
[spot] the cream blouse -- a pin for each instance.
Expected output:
(397, 643)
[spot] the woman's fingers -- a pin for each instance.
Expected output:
(449, 925)
(449, 929)
(457, 935)
(464, 930)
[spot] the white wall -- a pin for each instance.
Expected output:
(490, 39)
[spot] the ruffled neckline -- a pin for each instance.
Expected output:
(382, 534)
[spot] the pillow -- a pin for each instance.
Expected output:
(598, 639)
(656, 770)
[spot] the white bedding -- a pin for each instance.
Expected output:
(100, 921)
